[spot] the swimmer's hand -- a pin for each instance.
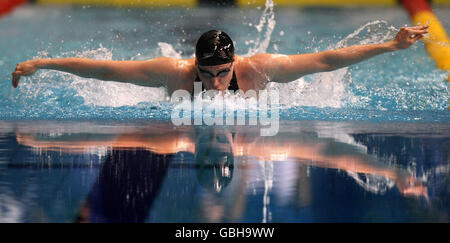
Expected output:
(407, 36)
(23, 69)
(408, 185)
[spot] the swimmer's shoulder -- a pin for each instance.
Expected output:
(240, 63)
(183, 75)
(185, 69)
(185, 65)
(255, 61)
(250, 71)
(170, 64)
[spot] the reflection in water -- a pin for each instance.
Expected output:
(126, 187)
(158, 173)
(214, 158)
(130, 179)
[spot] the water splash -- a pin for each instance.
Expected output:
(266, 22)
(60, 95)
(372, 183)
(377, 31)
(74, 90)
(331, 89)
(167, 50)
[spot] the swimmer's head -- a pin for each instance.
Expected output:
(213, 48)
(214, 58)
(214, 158)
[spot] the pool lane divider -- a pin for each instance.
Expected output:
(6, 6)
(437, 42)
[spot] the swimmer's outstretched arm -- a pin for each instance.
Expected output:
(286, 68)
(154, 72)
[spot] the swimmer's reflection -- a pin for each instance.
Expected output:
(134, 170)
(127, 185)
(214, 158)
(130, 179)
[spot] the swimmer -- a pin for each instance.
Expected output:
(216, 65)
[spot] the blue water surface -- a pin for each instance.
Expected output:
(400, 86)
(311, 171)
(367, 143)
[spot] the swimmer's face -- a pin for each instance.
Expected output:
(216, 77)
(214, 158)
(213, 141)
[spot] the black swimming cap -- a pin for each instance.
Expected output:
(214, 47)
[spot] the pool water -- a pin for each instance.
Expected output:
(400, 86)
(367, 143)
(312, 171)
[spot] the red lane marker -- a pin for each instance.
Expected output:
(7, 6)
(414, 6)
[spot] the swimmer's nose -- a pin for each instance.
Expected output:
(216, 82)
